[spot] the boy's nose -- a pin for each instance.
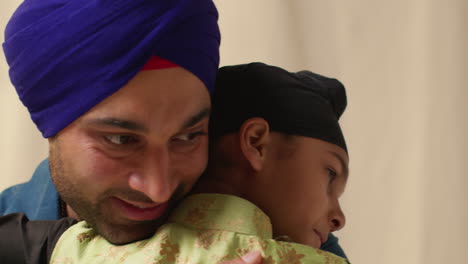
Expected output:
(337, 219)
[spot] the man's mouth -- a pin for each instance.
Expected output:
(139, 211)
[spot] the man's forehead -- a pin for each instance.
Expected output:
(163, 97)
(138, 124)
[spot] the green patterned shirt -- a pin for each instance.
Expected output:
(204, 228)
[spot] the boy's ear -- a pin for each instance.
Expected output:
(254, 138)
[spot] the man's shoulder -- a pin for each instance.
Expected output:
(37, 198)
(332, 245)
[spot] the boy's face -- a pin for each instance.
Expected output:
(301, 182)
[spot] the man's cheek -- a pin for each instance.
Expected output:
(100, 172)
(192, 171)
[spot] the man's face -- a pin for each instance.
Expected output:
(122, 165)
(303, 180)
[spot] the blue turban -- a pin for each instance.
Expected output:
(66, 56)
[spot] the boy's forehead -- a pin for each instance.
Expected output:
(314, 147)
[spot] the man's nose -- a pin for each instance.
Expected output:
(337, 219)
(153, 177)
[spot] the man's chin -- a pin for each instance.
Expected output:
(125, 234)
(126, 239)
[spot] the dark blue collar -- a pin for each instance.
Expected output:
(37, 198)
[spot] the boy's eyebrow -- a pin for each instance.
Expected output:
(118, 123)
(205, 112)
(343, 163)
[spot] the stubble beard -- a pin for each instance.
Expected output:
(97, 215)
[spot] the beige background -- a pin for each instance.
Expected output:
(404, 63)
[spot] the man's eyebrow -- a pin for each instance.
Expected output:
(343, 163)
(197, 118)
(118, 123)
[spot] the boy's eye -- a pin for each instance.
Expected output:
(331, 174)
(120, 139)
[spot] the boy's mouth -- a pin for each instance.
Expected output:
(321, 236)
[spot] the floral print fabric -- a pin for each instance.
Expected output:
(204, 228)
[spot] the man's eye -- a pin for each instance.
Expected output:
(120, 139)
(188, 136)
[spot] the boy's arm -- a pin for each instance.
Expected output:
(24, 241)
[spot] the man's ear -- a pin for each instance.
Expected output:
(254, 139)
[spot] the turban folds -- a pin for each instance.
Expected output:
(66, 56)
(302, 103)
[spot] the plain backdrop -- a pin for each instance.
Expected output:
(404, 64)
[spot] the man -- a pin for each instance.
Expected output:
(281, 157)
(121, 91)
(119, 158)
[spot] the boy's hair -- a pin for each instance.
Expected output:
(301, 103)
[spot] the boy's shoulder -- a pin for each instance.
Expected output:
(202, 229)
